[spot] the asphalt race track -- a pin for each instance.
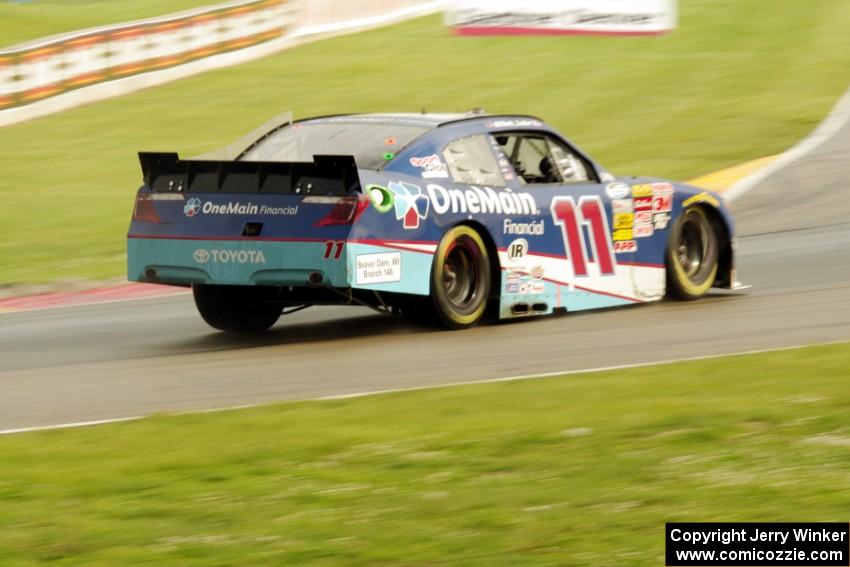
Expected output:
(139, 357)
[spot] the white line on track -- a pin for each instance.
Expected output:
(838, 118)
(73, 425)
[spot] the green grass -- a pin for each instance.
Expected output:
(578, 470)
(22, 21)
(736, 81)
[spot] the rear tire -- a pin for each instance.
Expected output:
(460, 278)
(237, 309)
(692, 253)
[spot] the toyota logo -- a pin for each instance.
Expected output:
(202, 256)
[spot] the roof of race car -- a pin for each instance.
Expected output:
(423, 120)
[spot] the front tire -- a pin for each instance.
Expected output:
(692, 253)
(237, 309)
(460, 278)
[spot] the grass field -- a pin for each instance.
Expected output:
(25, 20)
(581, 470)
(736, 81)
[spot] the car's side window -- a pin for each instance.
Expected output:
(539, 158)
(569, 165)
(471, 161)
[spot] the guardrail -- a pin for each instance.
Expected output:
(59, 72)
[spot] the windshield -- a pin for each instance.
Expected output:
(372, 144)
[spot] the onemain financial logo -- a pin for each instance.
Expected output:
(195, 206)
(481, 200)
(411, 203)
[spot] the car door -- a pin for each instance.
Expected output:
(586, 226)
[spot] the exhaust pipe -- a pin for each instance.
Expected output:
(519, 308)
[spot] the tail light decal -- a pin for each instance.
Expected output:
(346, 211)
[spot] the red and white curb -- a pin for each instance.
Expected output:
(94, 296)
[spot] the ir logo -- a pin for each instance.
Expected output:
(517, 249)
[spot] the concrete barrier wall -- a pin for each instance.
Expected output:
(314, 13)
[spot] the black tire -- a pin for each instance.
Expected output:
(460, 278)
(692, 252)
(237, 309)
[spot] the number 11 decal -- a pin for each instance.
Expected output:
(570, 218)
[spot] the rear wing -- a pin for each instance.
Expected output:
(326, 175)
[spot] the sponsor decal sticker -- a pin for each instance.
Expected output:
(643, 217)
(323, 199)
(532, 288)
(625, 247)
(536, 288)
(514, 123)
(663, 189)
(704, 197)
(512, 288)
(481, 200)
(643, 230)
(195, 206)
(432, 166)
(281, 211)
(643, 204)
(383, 267)
(534, 228)
(412, 204)
(409, 203)
(622, 205)
(617, 190)
(537, 272)
(623, 234)
(662, 203)
(192, 207)
(661, 220)
(641, 190)
(219, 256)
(623, 220)
(513, 276)
(517, 249)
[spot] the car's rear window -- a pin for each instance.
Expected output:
(371, 144)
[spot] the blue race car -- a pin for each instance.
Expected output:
(437, 217)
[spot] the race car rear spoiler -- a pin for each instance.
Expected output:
(326, 175)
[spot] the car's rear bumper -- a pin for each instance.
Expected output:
(233, 262)
(378, 266)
